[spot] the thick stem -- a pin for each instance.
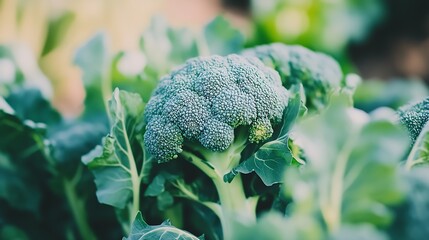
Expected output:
(135, 207)
(135, 180)
(234, 206)
(135, 176)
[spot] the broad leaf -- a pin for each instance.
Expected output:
(22, 152)
(272, 158)
(140, 230)
(27, 133)
(92, 59)
(164, 186)
(115, 164)
(130, 73)
(70, 141)
(351, 176)
(157, 186)
(112, 177)
(16, 187)
(57, 31)
(30, 104)
(222, 38)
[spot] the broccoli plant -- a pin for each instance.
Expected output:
(319, 73)
(206, 112)
(220, 147)
(218, 126)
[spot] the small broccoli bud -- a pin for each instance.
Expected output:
(260, 131)
(414, 117)
(207, 98)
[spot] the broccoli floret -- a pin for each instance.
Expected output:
(207, 98)
(318, 73)
(414, 117)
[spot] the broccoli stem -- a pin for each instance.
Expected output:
(234, 206)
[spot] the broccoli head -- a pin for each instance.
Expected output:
(318, 73)
(207, 98)
(414, 117)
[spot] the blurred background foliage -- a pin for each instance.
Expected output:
(378, 39)
(72, 48)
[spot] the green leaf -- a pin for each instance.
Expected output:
(370, 95)
(419, 155)
(351, 175)
(57, 31)
(29, 103)
(28, 134)
(70, 141)
(272, 158)
(140, 230)
(157, 186)
(130, 73)
(222, 38)
(184, 45)
(12, 232)
(17, 188)
(22, 151)
(94, 60)
(114, 164)
(166, 47)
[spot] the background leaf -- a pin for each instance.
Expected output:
(351, 176)
(94, 61)
(140, 230)
(222, 38)
(165, 47)
(413, 215)
(274, 226)
(29, 103)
